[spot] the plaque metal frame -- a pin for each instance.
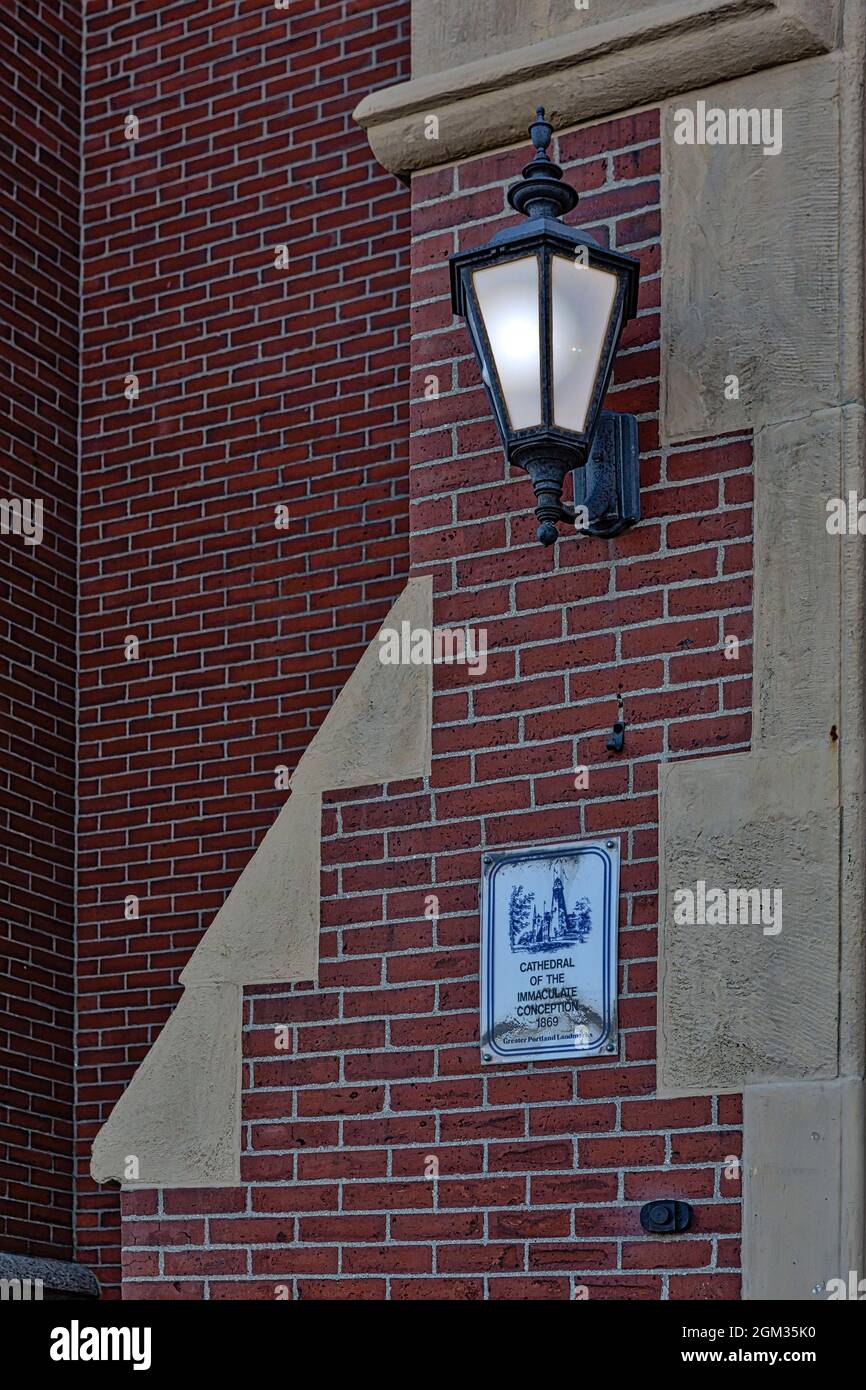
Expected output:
(587, 1024)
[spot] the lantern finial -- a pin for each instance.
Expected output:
(541, 193)
(541, 131)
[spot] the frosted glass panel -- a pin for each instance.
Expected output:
(583, 299)
(508, 300)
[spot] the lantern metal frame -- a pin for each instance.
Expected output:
(605, 451)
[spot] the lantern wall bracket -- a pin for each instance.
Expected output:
(609, 486)
(606, 488)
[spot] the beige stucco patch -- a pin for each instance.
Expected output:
(738, 1005)
(378, 729)
(799, 466)
(750, 267)
(267, 929)
(803, 1189)
(178, 1120)
(180, 1115)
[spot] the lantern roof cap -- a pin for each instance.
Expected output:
(543, 228)
(544, 233)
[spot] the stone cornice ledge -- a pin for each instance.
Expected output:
(607, 67)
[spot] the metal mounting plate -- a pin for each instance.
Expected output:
(614, 455)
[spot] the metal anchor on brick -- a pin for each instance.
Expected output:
(546, 305)
(614, 744)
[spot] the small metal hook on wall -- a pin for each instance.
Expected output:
(617, 739)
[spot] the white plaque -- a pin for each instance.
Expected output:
(548, 951)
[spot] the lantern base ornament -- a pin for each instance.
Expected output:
(606, 487)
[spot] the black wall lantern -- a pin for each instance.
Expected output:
(546, 306)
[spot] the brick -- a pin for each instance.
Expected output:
(571, 1119)
(390, 1196)
(578, 1256)
(705, 1287)
(490, 1192)
(483, 1124)
(292, 1197)
(341, 1101)
(672, 1254)
(698, 463)
(730, 1110)
(399, 1259)
(656, 1183)
(505, 1090)
(456, 1290)
(516, 1287)
(341, 1228)
(672, 1114)
(622, 1151)
(350, 1290)
(528, 1225)
(705, 1146)
(444, 1095)
(573, 1189)
(628, 1288)
(529, 1156)
(191, 1201)
(165, 1233)
(469, 1259)
(615, 1081)
(189, 1290)
(202, 1262)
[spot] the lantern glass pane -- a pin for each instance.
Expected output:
(582, 298)
(508, 299)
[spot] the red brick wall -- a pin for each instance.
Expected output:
(542, 1169)
(39, 196)
(258, 386)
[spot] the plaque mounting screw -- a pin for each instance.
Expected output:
(486, 1057)
(611, 1047)
(611, 844)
